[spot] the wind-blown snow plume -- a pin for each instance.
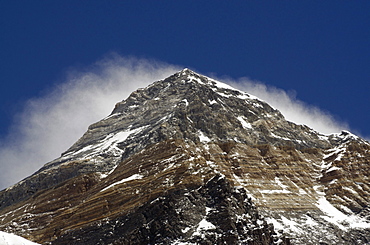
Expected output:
(293, 109)
(49, 125)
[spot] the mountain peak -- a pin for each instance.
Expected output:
(189, 159)
(186, 70)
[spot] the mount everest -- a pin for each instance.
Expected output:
(190, 160)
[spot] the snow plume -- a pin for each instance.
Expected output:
(50, 124)
(293, 109)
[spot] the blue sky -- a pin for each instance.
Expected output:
(316, 51)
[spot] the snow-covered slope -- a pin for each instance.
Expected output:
(11, 239)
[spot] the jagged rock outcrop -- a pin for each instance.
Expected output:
(178, 161)
(215, 213)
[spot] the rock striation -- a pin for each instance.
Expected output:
(190, 160)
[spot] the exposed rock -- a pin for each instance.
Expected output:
(215, 213)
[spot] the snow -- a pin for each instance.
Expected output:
(203, 138)
(244, 123)
(186, 229)
(132, 177)
(220, 84)
(332, 152)
(109, 143)
(281, 191)
(310, 221)
(11, 239)
(339, 151)
(196, 79)
(243, 95)
(274, 191)
(186, 102)
(279, 137)
(182, 243)
(277, 224)
(332, 169)
(350, 190)
(220, 87)
(212, 102)
(277, 181)
(223, 94)
(345, 135)
(119, 137)
(211, 164)
(327, 166)
(239, 180)
(343, 221)
(205, 225)
(293, 226)
(172, 161)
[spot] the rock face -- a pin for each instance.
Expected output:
(215, 213)
(190, 160)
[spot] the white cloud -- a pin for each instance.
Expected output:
(50, 124)
(293, 109)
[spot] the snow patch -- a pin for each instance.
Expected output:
(290, 224)
(279, 137)
(132, 177)
(223, 94)
(11, 239)
(332, 169)
(343, 221)
(203, 137)
(186, 102)
(212, 102)
(205, 225)
(281, 191)
(109, 143)
(196, 79)
(275, 191)
(186, 229)
(244, 123)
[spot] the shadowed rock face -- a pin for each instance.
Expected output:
(178, 162)
(215, 213)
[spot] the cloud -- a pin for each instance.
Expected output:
(293, 109)
(50, 124)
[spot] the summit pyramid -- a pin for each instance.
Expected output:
(191, 160)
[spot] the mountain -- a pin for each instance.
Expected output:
(190, 160)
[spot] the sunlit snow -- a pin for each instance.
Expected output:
(132, 177)
(203, 137)
(244, 123)
(343, 221)
(11, 239)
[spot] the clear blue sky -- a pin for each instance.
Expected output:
(320, 49)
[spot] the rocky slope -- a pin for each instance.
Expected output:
(190, 160)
